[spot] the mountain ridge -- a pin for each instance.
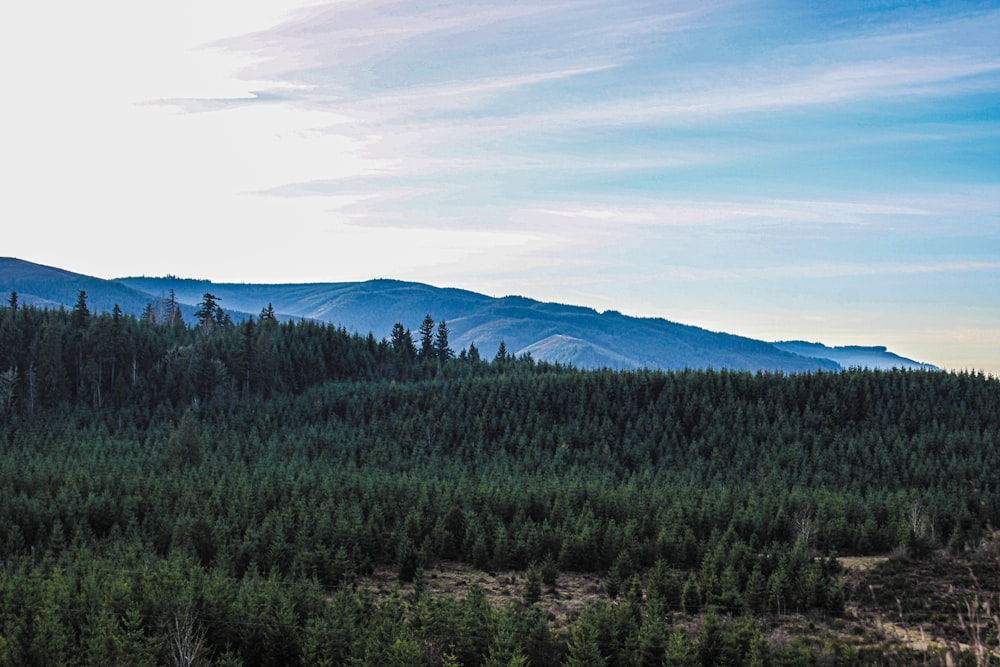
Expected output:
(568, 334)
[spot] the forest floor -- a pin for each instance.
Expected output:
(572, 592)
(925, 611)
(934, 605)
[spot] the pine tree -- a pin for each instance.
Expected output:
(173, 316)
(680, 652)
(207, 312)
(505, 650)
(52, 378)
(502, 357)
(8, 391)
(652, 637)
(756, 592)
(244, 361)
(426, 332)
(79, 325)
(710, 639)
(583, 649)
(186, 442)
(441, 348)
(80, 316)
(402, 345)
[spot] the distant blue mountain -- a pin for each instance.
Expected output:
(547, 331)
(854, 356)
(48, 287)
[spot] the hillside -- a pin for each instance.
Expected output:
(854, 356)
(49, 287)
(289, 493)
(295, 495)
(553, 332)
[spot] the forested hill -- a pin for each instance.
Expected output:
(228, 489)
(551, 332)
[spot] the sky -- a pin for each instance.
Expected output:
(783, 170)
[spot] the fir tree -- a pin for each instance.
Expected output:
(441, 348)
(426, 332)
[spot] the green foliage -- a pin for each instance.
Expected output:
(249, 478)
(584, 648)
(441, 348)
(185, 442)
(532, 585)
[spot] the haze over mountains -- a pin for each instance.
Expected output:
(548, 331)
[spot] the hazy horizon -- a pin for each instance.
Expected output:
(775, 170)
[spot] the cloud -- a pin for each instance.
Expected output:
(726, 214)
(521, 100)
(833, 271)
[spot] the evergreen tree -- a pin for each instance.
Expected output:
(402, 346)
(502, 356)
(583, 649)
(173, 316)
(652, 638)
(80, 325)
(533, 585)
(8, 391)
(186, 441)
(80, 317)
(505, 650)
(756, 592)
(680, 652)
(52, 377)
(441, 348)
(207, 312)
(244, 358)
(475, 627)
(426, 332)
(710, 639)
(691, 595)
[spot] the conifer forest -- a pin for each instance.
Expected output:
(197, 491)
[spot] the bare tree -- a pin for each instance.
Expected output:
(187, 641)
(980, 619)
(8, 388)
(915, 518)
(805, 525)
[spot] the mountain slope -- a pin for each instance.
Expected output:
(583, 337)
(50, 287)
(548, 331)
(854, 356)
(374, 305)
(586, 338)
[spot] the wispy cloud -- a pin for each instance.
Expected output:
(833, 271)
(569, 91)
(694, 213)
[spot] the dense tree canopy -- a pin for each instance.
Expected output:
(160, 485)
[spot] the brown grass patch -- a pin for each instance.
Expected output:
(898, 611)
(572, 592)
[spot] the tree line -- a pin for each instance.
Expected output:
(55, 359)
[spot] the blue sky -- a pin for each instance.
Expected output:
(823, 171)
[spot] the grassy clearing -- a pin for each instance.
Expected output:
(898, 611)
(572, 592)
